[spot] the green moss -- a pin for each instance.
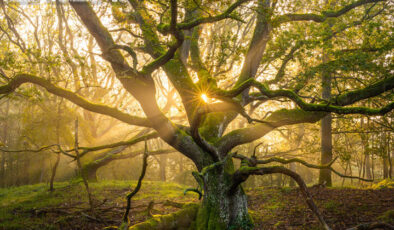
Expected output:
(387, 216)
(386, 183)
(211, 126)
(18, 203)
(177, 220)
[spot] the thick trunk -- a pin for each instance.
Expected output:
(220, 208)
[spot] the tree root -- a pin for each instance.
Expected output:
(371, 226)
(177, 220)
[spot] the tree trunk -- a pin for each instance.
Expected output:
(326, 123)
(90, 172)
(5, 140)
(368, 167)
(163, 165)
(53, 173)
(293, 167)
(385, 167)
(326, 150)
(222, 208)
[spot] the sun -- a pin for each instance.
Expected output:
(204, 97)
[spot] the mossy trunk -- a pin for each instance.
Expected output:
(222, 208)
(90, 172)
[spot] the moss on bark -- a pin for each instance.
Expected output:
(183, 219)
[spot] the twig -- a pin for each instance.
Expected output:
(137, 188)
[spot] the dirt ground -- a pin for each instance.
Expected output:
(271, 208)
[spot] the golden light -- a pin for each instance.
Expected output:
(204, 97)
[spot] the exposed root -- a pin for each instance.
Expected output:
(177, 220)
(193, 190)
(371, 226)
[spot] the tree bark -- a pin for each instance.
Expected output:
(222, 208)
(163, 165)
(54, 168)
(4, 139)
(368, 166)
(326, 126)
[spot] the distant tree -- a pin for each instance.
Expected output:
(219, 68)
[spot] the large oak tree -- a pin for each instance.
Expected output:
(276, 61)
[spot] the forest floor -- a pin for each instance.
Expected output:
(34, 207)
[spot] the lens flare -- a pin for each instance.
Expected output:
(204, 97)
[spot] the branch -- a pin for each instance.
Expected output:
(371, 226)
(129, 51)
(281, 71)
(28, 150)
(335, 105)
(165, 28)
(193, 190)
(320, 17)
(309, 113)
(242, 174)
(253, 162)
(132, 141)
(195, 124)
(20, 79)
(277, 119)
(137, 188)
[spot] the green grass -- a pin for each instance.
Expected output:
(18, 204)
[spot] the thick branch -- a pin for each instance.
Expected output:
(335, 105)
(74, 98)
(132, 141)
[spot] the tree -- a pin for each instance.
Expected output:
(203, 82)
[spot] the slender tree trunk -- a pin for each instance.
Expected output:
(389, 152)
(343, 179)
(326, 122)
(293, 167)
(326, 150)
(385, 167)
(385, 156)
(326, 131)
(279, 180)
(80, 167)
(163, 165)
(373, 168)
(4, 140)
(368, 166)
(54, 169)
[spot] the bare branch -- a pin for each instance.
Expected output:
(242, 174)
(203, 20)
(320, 17)
(137, 188)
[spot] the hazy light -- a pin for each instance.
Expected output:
(204, 97)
